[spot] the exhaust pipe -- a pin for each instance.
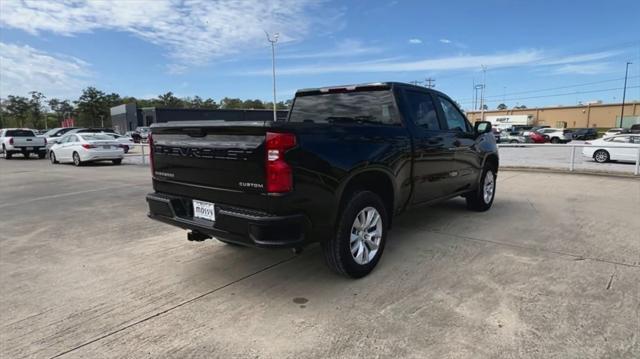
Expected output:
(196, 236)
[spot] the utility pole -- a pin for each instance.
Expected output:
(624, 93)
(484, 85)
(430, 83)
(273, 66)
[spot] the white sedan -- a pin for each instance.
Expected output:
(80, 148)
(626, 148)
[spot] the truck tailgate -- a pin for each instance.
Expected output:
(28, 141)
(214, 161)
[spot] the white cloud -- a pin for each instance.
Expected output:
(445, 41)
(415, 41)
(194, 32)
(560, 60)
(585, 69)
(395, 65)
(24, 69)
(346, 48)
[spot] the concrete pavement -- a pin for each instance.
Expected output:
(553, 270)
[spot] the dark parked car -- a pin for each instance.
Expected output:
(585, 134)
(340, 167)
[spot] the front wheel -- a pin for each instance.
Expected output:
(360, 236)
(117, 162)
(481, 199)
(555, 140)
(601, 156)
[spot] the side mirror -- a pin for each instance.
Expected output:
(481, 127)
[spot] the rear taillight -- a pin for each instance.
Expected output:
(151, 150)
(278, 171)
(11, 140)
(87, 146)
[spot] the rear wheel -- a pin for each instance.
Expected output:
(26, 154)
(41, 155)
(482, 198)
(117, 162)
(7, 155)
(76, 159)
(52, 158)
(360, 236)
(601, 156)
(555, 140)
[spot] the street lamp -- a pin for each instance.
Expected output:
(273, 41)
(624, 93)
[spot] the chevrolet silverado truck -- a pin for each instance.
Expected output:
(346, 160)
(23, 141)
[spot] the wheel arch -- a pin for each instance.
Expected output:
(376, 180)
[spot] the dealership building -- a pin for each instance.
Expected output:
(597, 115)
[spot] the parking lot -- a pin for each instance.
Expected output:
(551, 271)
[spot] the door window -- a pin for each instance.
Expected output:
(621, 139)
(455, 119)
(422, 110)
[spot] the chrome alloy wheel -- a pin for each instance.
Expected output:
(366, 234)
(489, 187)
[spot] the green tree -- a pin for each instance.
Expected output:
(169, 100)
(36, 110)
(502, 107)
(18, 108)
(253, 104)
(61, 109)
(231, 103)
(92, 107)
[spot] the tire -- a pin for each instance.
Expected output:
(601, 156)
(481, 199)
(52, 158)
(555, 140)
(355, 251)
(76, 159)
(117, 162)
(7, 155)
(42, 155)
(26, 154)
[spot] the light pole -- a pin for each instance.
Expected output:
(624, 93)
(273, 68)
(484, 85)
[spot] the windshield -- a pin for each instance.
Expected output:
(95, 136)
(372, 107)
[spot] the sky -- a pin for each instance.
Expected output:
(536, 53)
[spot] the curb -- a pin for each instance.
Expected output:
(566, 171)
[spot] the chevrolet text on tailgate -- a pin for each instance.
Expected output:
(345, 162)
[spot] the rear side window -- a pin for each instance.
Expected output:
(19, 133)
(422, 110)
(363, 107)
(455, 119)
(620, 139)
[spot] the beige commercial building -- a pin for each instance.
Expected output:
(592, 115)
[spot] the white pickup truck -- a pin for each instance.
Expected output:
(22, 140)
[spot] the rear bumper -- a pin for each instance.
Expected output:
(233, 224)
(101, 155)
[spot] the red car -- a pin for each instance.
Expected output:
(537, 137)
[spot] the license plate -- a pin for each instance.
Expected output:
(29, 148)
(106, 147)
(204, 210)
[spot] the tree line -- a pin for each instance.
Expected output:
(92, 108)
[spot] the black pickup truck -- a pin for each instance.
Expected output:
(345, 161)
